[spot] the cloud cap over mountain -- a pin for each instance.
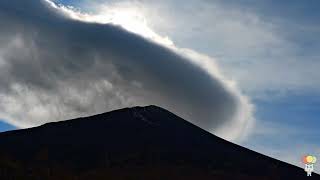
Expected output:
(53, 67)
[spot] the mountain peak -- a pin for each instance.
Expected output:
(132, 143)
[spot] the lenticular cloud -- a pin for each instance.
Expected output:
(56, 66)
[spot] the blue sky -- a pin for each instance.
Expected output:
(270, 48)
(5, 126)
(287, 127)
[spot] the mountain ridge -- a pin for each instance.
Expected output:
(145, 138)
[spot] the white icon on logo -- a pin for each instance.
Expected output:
(309, 162)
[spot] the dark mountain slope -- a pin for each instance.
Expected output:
(132, 143)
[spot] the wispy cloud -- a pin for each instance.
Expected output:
(261, 51)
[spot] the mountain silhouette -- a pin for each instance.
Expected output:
(132, 143)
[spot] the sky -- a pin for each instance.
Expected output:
(263, 57)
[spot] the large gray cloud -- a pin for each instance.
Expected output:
(54, 68)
